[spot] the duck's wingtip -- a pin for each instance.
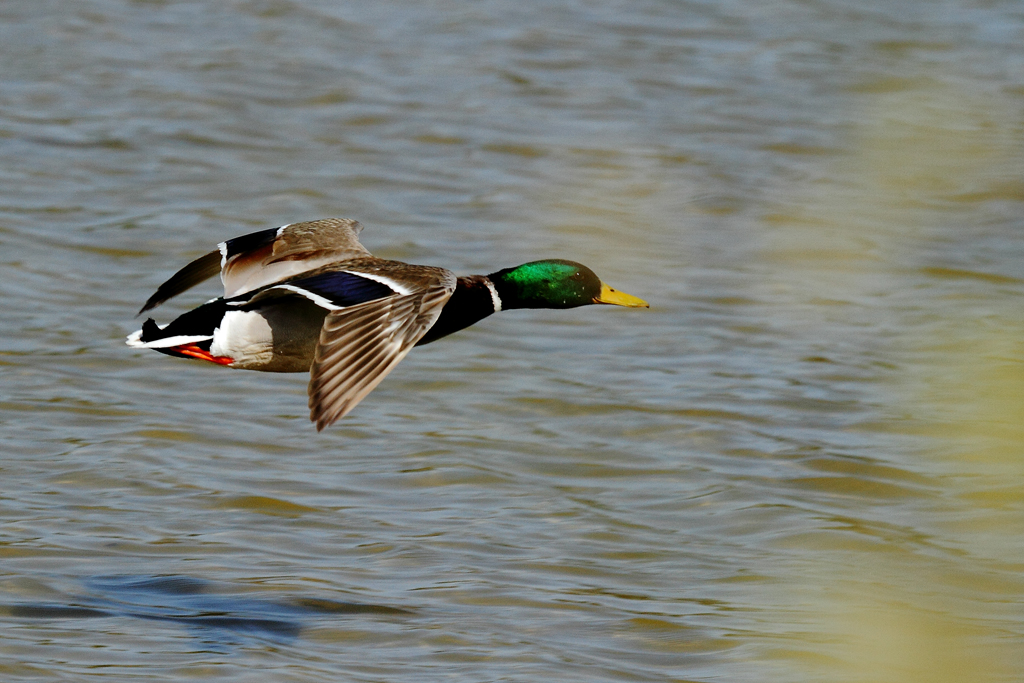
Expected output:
(320, 420)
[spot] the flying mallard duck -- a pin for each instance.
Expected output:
(309, 297)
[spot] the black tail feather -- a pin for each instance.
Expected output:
(150, 331)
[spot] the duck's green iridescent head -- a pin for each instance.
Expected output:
(556, 283)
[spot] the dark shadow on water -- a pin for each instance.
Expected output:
(199, 605)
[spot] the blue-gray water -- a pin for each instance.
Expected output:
(804, 463)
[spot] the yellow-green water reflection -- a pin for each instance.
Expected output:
(935, 593)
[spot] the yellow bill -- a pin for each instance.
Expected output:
(611, 296)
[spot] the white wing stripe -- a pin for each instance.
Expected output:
(387, 282)
(315, 298)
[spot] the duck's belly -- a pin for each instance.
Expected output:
(278, 338)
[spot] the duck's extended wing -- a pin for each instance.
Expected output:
(261, 258)
(191, 275)
(359, 345)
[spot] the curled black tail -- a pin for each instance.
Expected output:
(151, 331)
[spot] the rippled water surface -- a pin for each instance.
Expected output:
(804, 463)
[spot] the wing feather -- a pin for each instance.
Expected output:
(361, 344)
(203, 268)
(297, 248)
(266, 257)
